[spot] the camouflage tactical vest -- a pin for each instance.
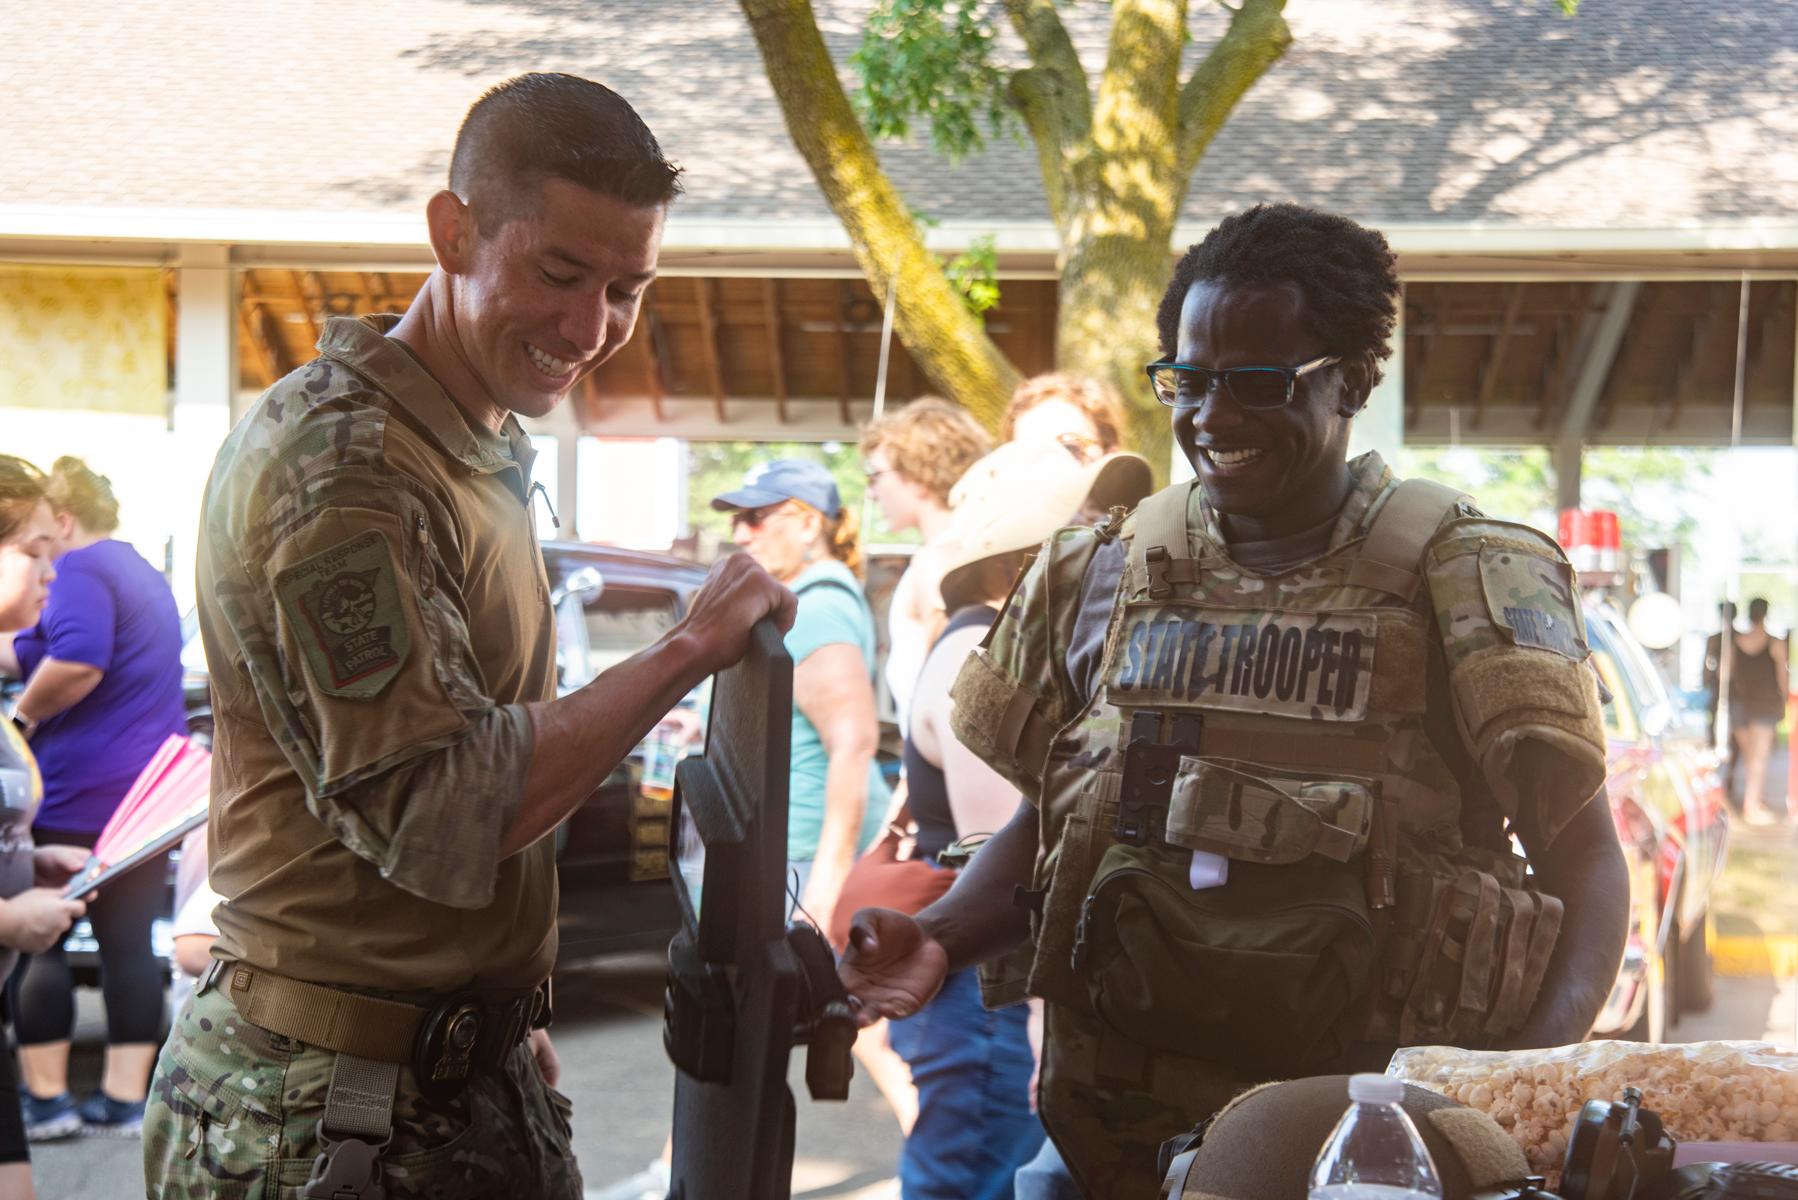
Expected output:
(1277, 722)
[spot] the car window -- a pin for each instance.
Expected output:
(1648, 687)
(1619, 708)
(621, 621)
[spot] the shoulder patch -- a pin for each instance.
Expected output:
(1532, 599)
(344, 604)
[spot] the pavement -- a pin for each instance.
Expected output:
(609, 1035)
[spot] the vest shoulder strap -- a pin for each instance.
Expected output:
(1391, 556)
(1160, 536)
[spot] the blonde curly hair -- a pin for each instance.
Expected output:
(930, 441)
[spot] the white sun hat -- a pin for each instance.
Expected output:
(1018, 495)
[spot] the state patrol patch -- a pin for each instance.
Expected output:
(1309, 665)
(344, 604)
(1531, 599)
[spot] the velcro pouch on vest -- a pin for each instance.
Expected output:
(1227, 809)
(1264, 974)
(1084, 838)
(1468, 952)
(1005, 981)
(995, 717)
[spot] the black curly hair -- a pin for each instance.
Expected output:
(1346, 273)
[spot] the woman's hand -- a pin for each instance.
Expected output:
(34, 921)
(549, 1064)
(53, 866)
(892, 968)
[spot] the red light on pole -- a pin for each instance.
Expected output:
(1594, 545)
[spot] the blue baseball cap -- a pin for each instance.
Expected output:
(785, 479)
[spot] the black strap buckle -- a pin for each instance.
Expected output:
(349, 1169)
(1158, 560)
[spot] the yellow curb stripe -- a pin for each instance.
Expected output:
(1775, 955)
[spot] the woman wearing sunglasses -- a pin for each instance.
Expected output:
(790, 519)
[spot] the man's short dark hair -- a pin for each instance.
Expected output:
(1757, 609)
(1346, 273)
(551, 126)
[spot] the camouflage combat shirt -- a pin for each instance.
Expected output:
(376, 615)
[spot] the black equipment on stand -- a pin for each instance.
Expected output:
(744, 986)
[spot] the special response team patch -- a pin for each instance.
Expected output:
(1531, 599)
(344, 605)
(1316, 666)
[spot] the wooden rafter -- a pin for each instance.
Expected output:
(247, 314)
(777, 360)
(1419, 345)
(709, 324)
(656, 385)
(1495, 354)
(1679, 380)
(1549, 381)
(308, 309)
(845, 350)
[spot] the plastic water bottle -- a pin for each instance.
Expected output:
(1374, 1152)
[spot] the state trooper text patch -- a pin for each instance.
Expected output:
(344, 604)
(1314, 666)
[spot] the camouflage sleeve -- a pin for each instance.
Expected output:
(354, 636)
(1508, 611)
(1013, 693)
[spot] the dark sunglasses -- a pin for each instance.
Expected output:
(1182, 385)
(754, 517)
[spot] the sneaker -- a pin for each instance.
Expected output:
(102, 1116)
(47, 1120)
(652, 1183)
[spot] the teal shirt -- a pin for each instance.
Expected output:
(828, 614)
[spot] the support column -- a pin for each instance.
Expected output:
(206, 382)
(1568, 453)
(1381, 425)
(567, 484)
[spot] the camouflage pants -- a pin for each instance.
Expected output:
(234, 1113)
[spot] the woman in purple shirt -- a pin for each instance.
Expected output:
(103, 672)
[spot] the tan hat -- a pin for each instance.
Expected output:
(1024, 491)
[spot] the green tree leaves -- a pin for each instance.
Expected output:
(931, 59)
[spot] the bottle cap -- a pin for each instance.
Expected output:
(1376, 1089)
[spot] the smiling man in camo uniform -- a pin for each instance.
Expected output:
(1272, 733)
(390, 755)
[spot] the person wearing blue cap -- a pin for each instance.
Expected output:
(789, 517)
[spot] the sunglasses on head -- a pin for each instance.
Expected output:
(1182, 385)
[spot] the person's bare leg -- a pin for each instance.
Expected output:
(1757, 748)
(45, 1068)
(15, 1182)
(127, 1073)
(890, 1073)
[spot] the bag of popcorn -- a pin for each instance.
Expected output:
(1704, 1091)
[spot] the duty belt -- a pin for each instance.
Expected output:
(372, 1038)
(443, 1042)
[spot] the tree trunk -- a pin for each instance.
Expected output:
(1111, 285)
(1129, 182)
(1128, 188)
(945, 339)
